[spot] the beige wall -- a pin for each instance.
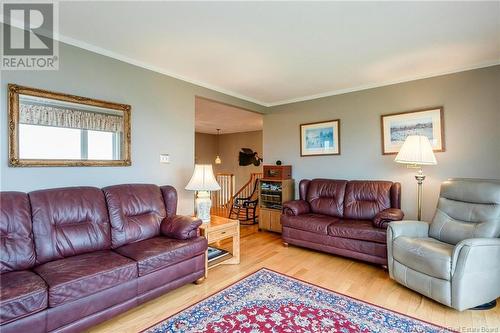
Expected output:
(205, 148)
(471, 103)
(229, 147)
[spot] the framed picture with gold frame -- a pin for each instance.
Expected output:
(320, 138)
(397, 126)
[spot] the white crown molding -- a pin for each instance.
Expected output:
(380, 84)
(118, 56)
(138, 63)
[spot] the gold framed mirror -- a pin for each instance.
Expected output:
(54, 129)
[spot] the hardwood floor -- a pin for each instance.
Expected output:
(357, 279)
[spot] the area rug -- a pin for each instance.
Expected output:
(267, 301)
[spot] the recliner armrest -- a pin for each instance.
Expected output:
(463, 248)
(180, 227)
(416, 229)
(296, 207)
(475, 272)
(408, 228)
(382, 219)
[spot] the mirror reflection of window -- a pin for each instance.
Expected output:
(51, 129)
(45, 142)
(102, 145)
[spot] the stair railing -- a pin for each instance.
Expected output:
(221, 199)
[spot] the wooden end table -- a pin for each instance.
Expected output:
(218, 229)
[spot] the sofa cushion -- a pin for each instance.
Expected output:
(160, 252)
(69, 221)
(425, 255)
(17, 250)
(317, 223)
(326, 196)
(22, 293)
(358, 229)
(135, 211)
(75, 277)
(364, 199)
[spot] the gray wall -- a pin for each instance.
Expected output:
(230, 146)
(471, 103)
(162, 122)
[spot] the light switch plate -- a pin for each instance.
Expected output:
(164, 158)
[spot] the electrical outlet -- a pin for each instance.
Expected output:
(165, 158)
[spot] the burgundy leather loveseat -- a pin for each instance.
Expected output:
(73, 257)
(348, 218)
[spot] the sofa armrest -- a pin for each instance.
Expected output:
(180, 227)
(475, 272)
(382, 219)
(296, 207)
(169, 194)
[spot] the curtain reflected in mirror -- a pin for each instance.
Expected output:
(51, 129)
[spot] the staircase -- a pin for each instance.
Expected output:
(221, 200)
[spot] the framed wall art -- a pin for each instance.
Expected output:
(320, 138)
(397, 126)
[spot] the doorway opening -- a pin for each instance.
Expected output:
(230, 139)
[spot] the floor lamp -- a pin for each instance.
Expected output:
(416, 152)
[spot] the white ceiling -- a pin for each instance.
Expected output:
(210, 115)
(277, 52)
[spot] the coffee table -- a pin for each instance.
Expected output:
(220, 228)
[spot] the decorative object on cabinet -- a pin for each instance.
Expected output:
(274, 189)
(94, 132)
(278, 172)
(415, 152)
(320, 138)
(397, 126)
(203, 181)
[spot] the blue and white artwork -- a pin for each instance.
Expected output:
(321, 138)
(398, 126)
(400, 129)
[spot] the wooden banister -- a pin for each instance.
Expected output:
(222, 198)
(246, 190)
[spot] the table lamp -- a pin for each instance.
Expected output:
(203, 181)
(416, 152)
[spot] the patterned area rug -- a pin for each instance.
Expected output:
(267, 301)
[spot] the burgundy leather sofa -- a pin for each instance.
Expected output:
(73, 257)
(347, 218)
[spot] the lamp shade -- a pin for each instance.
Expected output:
(203, 179)
(416, 150)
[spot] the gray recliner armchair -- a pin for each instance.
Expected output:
(455, 259)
